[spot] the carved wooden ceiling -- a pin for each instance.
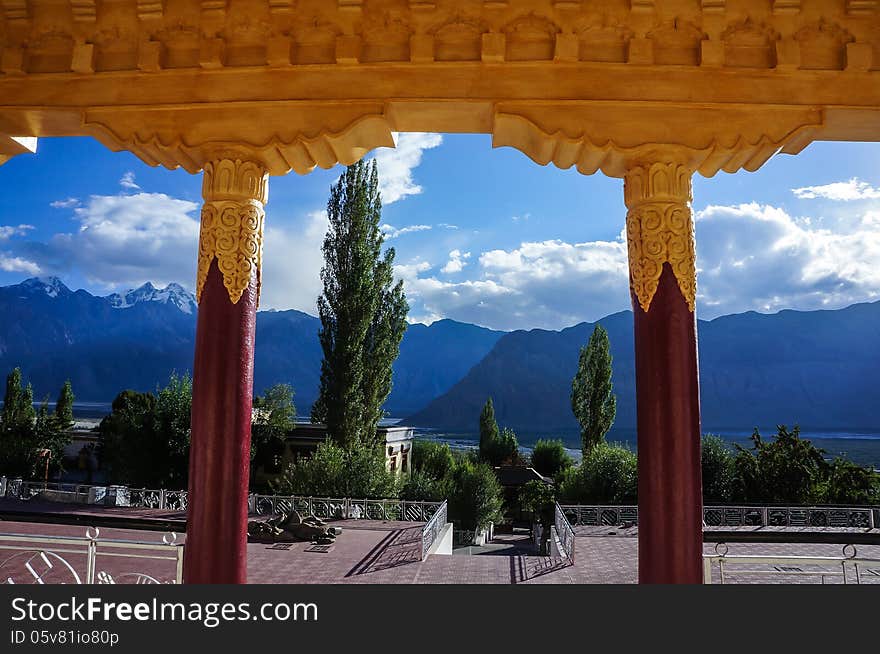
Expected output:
(300, 83)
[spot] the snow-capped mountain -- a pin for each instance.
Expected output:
(49, 286)
(173, 294)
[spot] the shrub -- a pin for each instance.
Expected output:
(420, 486)
(608, 475)
(785, 470)
(849, 483)
(538, 498)
(433, 459)
(719, 471)
(550, 458)
(475, 496)
(333, 471)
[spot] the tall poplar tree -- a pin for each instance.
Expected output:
(362, 311)
(592, 399)
(489, 433)
(64, 406)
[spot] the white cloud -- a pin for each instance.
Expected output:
(758, 257)
(549, 284)
(396, 165)
(17, 264)
(128, 182)
(292, 260)
(126, 240)
(8, 231)
(521, 218)
(65, 204)
(392, 232)
(749, 256)
(854, 189)
(456, 262)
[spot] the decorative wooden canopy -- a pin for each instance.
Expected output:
(304, 83)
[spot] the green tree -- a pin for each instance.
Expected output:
(363, 315)
(30, 438)
(274, 418)
(489, 432)
(334, 471)
(419, 486)
(475, 496)
(505, 450)
(172, 424)
(433, 459)
(146, 438)
(538, 498)
(128, 449)
(719, 471)
(18, 403)
(64, 405)
(549, 457)
(592, 399)
(607, 475)
(18, 420)
(849, 483)
(784, 470)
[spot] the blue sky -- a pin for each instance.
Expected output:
(481, 235)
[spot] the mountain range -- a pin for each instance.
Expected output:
(137, 338)
(815, 368)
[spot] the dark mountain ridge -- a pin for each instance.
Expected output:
(814, 368)
(136, 339)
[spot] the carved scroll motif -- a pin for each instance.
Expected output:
(232, 224)
(660, 229)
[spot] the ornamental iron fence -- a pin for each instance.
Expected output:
(432, 528)
(564, 532)
(345, 508)
(177, 500)
(41, 559)
(751, 568)
(865, 517)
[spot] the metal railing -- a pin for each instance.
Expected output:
(345, 508)
(866, 517)
(178, 500)
(38, 559)
(149, 498)
(564, 532)
(847, 569)
(433, 528)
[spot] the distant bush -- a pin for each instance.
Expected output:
(475, 496)
(719, 470)
(784, 470)
(420, 486)
(791, 470)
(608, 475)
(848, 483)
(431, 458)
(550, 457)
(333, 471)
(538, 498)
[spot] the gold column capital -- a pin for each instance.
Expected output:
(235, 192)
(660, 228)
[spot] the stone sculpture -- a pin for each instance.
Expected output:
(291, 527)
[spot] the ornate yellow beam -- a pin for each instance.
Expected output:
(13, 145)
(327, 81)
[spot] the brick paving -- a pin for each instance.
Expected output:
(373, 552)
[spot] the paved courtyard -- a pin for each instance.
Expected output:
(372, 552)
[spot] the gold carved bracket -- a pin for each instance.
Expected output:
(660, 229)
(235, 192)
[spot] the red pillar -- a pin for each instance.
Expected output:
(670, 487)
(230, 247)
(663, 282)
